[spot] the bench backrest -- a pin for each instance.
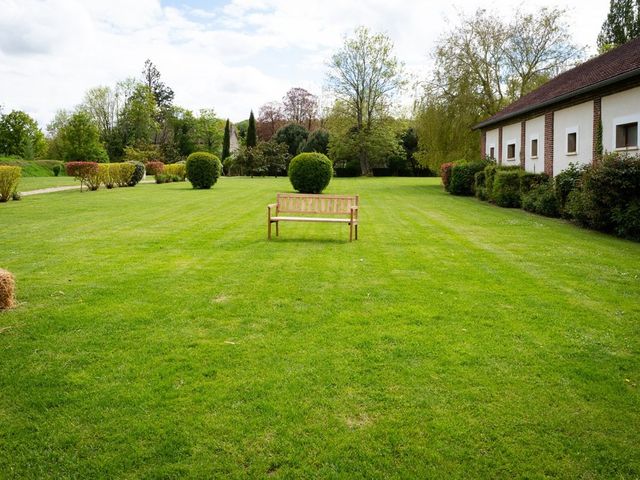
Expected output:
(321, 204)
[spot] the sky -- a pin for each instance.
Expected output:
(229, 55)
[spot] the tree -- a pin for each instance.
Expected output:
(252, 138)
(21, 136)
(365, 75)
(209, 131)
(226, 141)
(622, 24)
(273, 157)
(162, 94)
(318, 141)
(79, 139)
(293, 136)
(270, 119)
(300, 106)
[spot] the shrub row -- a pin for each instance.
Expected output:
(604, 196)
(9, 178)
(92, 174)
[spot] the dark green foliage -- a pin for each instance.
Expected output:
(506, 188)
(138, 173)
(489, 175)
(541, 199)
(351, 169)
(56, 170)
(310, 172)
(529, 181)
(203, 169)
(318, 141)
(293, 135)
(226, 141)
(622, 24)
(463, 177)
(252, 137)
(567, 181)
(480, 180)
(607, 197)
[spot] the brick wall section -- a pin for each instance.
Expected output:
(597, 118)
(500, 146)
(523, 140)
(483, 144)
(548, 143)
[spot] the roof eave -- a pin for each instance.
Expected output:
(546, 103)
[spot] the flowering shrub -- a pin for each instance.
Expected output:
(154, 168)
(84, 171)
(9, 178)
(445, 173)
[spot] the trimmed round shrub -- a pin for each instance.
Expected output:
(203, 169)
(506, 188)
(138, 173)
(310, 172)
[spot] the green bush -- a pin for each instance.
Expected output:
(162, 178)
(480, 185)
(506, 188)
(528, 181)
(138, 172)
(310, 172)
(542, 200)
(351, 169)
(489, 176)
(567, 181)
(9, 178)
(607, 196)
(202, 170)
(56, 170)
(178, 170)
(463, 177)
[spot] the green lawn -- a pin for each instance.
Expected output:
(160, 336)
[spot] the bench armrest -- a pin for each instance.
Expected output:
(271, 205)
(354, 207)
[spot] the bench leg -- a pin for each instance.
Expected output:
(268, 229)
(356, 231)
(351, 232)
(277, 229)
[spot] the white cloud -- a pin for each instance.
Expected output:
(232, 58)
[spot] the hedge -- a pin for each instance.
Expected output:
(506, 189)
(445, 174)
(542, 200)
(480, 185)
(154, 168)
(86, 172)
(178, 170)
(528, 181)
(462, 177)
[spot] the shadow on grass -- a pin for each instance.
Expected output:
(331, 241)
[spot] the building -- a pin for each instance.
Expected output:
(592, 108)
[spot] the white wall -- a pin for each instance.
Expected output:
(511, 134)
(617, 109)
(580, 119)
(534, 129)
(492, 141)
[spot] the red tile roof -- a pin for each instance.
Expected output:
(617, 64)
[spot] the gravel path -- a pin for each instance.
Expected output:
(60, 189)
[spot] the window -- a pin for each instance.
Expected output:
(572, 142)
(492, 152)
(627, 135)
(511, 151)
(534, 148)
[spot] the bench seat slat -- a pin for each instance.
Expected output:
(311, 219)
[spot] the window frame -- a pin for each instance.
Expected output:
(515, 144)
(533, 138)
(625, 125)
(570, 131)
(491, 154)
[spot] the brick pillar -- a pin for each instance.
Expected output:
(483, 144)
(500, 146)
(523, 141)
(548, 144)
(597, 129)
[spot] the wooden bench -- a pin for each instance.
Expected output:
(307, 205)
